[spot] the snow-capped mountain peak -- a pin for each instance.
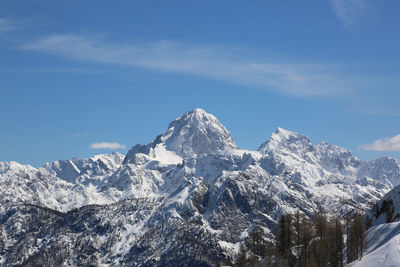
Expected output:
(287, 141)
(194, 133)
(197, 132)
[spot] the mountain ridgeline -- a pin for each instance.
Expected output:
(190, 197)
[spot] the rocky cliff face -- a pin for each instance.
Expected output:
(191, 196)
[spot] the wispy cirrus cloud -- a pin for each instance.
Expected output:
(107, 145)
(7, 25)
(386, 144)
(38, 69)
(350, 12)
(220, 62)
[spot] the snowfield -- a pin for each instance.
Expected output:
(383, 247)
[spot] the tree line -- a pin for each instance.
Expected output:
(316, 241)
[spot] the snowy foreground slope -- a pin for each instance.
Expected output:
(383, 237)
(383, 247)
(191, 191)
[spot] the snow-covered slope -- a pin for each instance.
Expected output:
(24, 183)
(195, 174)
(61, 185)
(383, 247)
(383, 236)
(387, 209)
(98, 165)
(383, 169)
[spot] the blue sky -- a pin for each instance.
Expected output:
(77, 74)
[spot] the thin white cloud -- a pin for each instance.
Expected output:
(6, 25)
(37, 69)
(81, 135)
(11, 24)
(214, 61)
(386, 144)
(107, 145)
(350, 12)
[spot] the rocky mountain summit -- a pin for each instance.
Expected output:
(191, 196)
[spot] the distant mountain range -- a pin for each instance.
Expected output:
(191, 196)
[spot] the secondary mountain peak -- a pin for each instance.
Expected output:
(100, 164)
(288, 140)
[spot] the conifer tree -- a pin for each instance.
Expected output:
(322, 230)
(306, 235)
(297, 226)
(336, 242)
(241, 257)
